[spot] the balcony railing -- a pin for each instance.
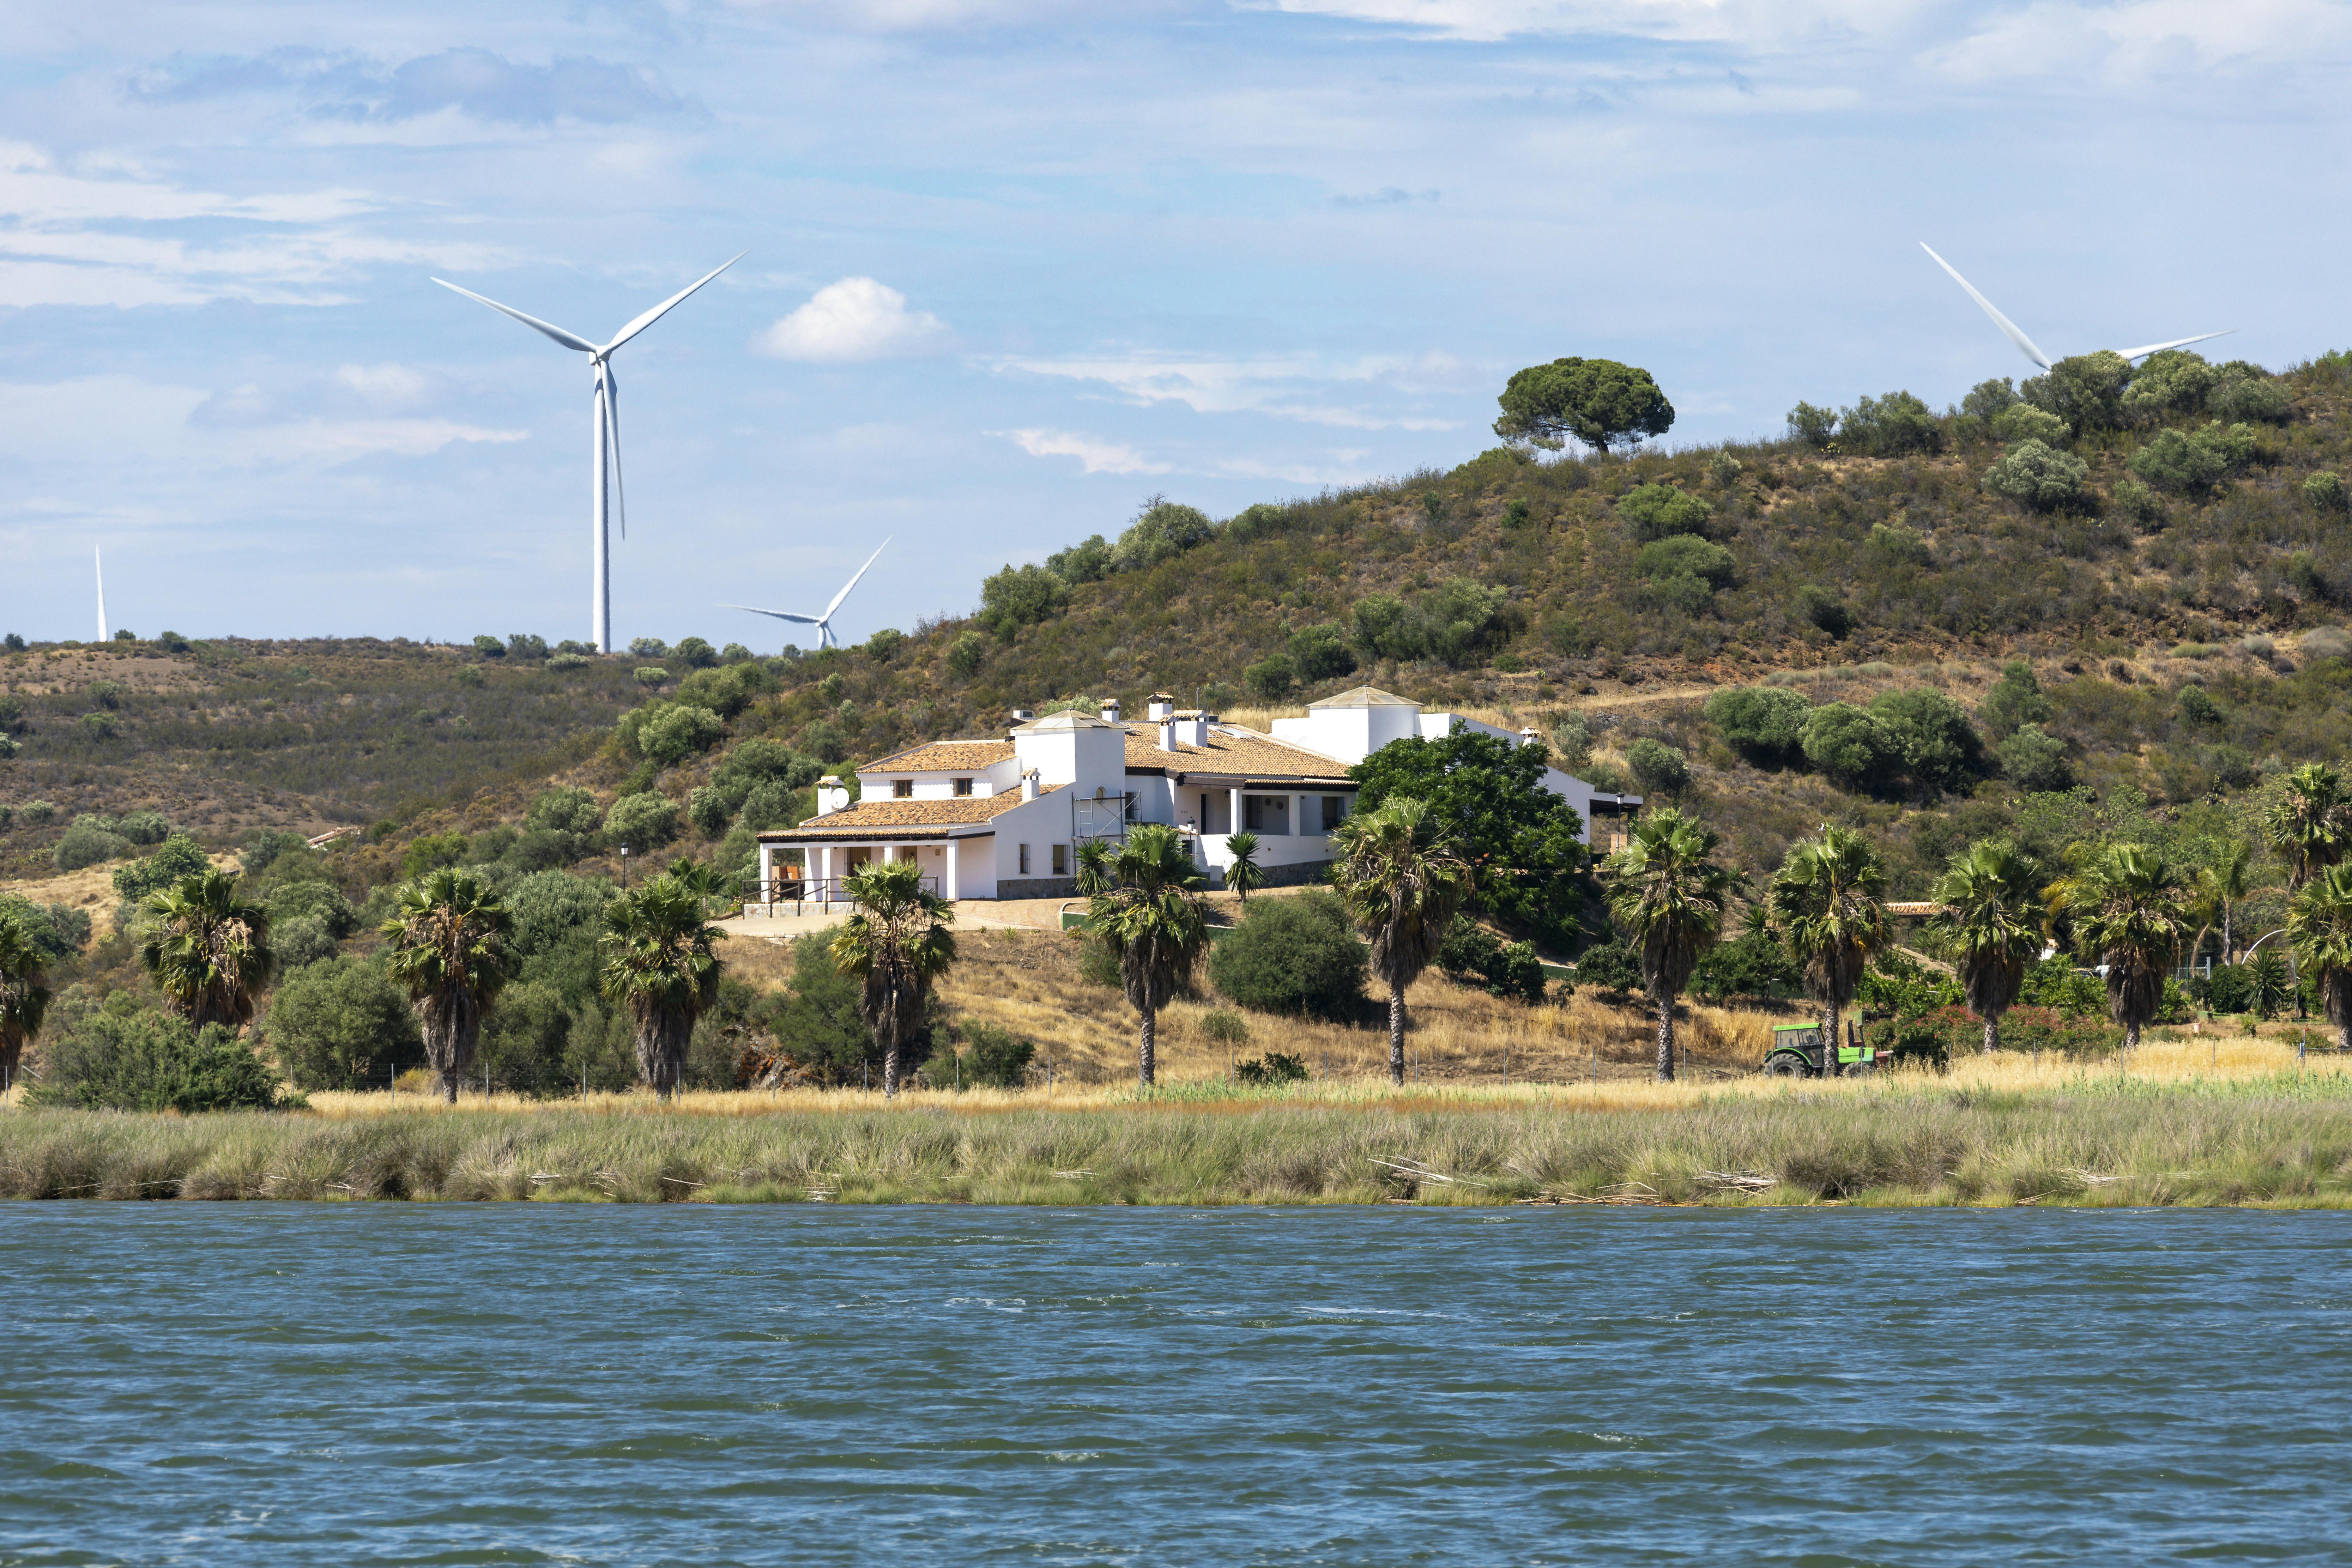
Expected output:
(802, 891)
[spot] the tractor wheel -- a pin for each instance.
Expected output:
(1858, 1069)
(1785, 1065)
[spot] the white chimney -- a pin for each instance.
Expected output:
(1190, 727)
(1029, 785)
(1527, 737)
(1111, 710)
(1167, 730)
(1161, 707)
(832, 795)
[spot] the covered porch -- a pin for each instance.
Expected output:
(951, 865)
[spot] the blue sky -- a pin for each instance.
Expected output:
(1014, 267)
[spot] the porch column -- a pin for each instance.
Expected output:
(768, 877)
(1298, 816)
(1234, 810)
(948, 888)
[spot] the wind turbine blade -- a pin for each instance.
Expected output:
(568, 340)
(2024, 344)
(2175, 343)
(837, 598)
(611, 401)
(779, 615)
(656, 314)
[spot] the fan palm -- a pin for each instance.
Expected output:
(1402, 876)
(450, 946)
(1094, 867)
(1244, 875)
(897, 944)
(24, 996)
(207, 949)
(2220, 887)
(1154, 921)
(2129, 911)
(659, 965)
(701, 878)
(1827, 907)
(2319, 924)
(1992, 921)
(2307, 826)
(1671, 897)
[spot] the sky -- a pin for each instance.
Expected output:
(1011, 268)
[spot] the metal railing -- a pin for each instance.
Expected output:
(802, 891)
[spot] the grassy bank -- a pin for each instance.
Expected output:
(2011, 1136)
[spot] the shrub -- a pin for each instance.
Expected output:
(138, 1060)
(1088, 561)
(1988, 399)
(57, 932)
(2014, 700)
(642, 822)
(2036, 762)
(1889, 426)
(1813, 426)
(174, 860)
(565, 809)
(2244, 391)
(993, 1057)
(2084, 390)
(1686, 556)
(1609, 968)
(1294, 955)
(342, 1025)
(143, 827)
(2172, 381)
(1161, 531)
(526, 646)
(568, 661)
(725, 690)
(706, 809)
(1940, 748)
(1658, 768)
(2193, 461)
(2023, 422)
(1752, 967)
(649, 648)
(1661, 512)
(817, 1024)
(1021, 596)
(695, 653)
(1762, 724)
(968, 653)
(267, 845)
(651, 675)
(1850, 745)
(2324, 642)
(37, 812)
(1823, 608)
(678, 731)
(1224, 1026)
(2136, 501)
(2325, 491)
(490, 647)
(2036, 475)
(1269, 679)
(1473, 955)
(431, 851)
(2197, 707)
(1271, 1070)
(1320, 653)
(86, 843)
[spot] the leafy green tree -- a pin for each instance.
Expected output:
(2171, 381)
(660, 965)
(1085, 563)
(1822, 608)
(1387, 628)
(1670, 895)
(2221, 886)
(2023, 422)
(2193, 461)
(695, 653)
(448, 943)
(1889, 426)
(1657, 511)
(1599, 401)
(1827, 904)
(1021, 596)
(2325, 491)
(1297, 955)
(87, 844)
(2037, 475)
(1320, 653)
(1850, 744)
(142, 1061)
(1990, 918)
(819, 1024)
(1269, 679)
(1462, 618)
(1244, 875)
(1154, 921)
(341, 1025)
(1764, 724)
(564, 809)
(2319, 926)
(2014, 700)
(490, 647)
(680, 731)
(898, 945)
(1473, 955)
(967, 654)
(174, 860)
(1685, 555)
(207, 949)
(1161, 531)
(2244, 391)
(2126, 907)
(643, 822)
(1401, 874)
(2084, 390)
(24, 994)
(1658, 768)
(1811, 426)
(1522, 843)
(1940, 748)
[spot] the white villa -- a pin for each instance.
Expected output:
(1003, 819)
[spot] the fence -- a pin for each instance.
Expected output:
(762, 896)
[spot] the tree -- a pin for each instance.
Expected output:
(2319, 927)
(2035, 761)
(1658, 768)
(1153, 921)
(2014, 700)
(1850, 744)
(207, 949)
(1522, 843)
(341, 1025)
(2084, 390)
(1021, 596)
(2306, 827)
(1825, 903)
(1599, 401)
(2220, 887)
(1401, 872)
(1941, 749)
(1992, 919)
(450, 945)
(1661, 512)
(2128, 909)
(1670, 896)
(1320, 653)
(2037, 475)
(1687, 555)
(1162, 530)
(24, 995)
(1762, 724)
(1297, 955)
(659, 964)
(1244, 875)
(897, 945)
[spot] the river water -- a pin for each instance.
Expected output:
(393, 1383)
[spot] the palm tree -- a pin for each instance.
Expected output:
(1094, 867)
(23, 998)
(1244, 875)
(1402, 876)
(208, 950)
(2220, 887)
(898, 944)
(701, 878)
(2129, 909)
(2307, 826)
(1826, 906)
(1991, 919)
(2319, 924)
(1671, 897)
(1154, 921)
(658, 963)
(450, 946)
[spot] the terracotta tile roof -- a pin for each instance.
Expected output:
(904, 818)
(1231, 750)
(941, 757)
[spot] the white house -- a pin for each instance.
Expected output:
(1003, 819)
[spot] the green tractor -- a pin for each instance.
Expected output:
(1797, 1052)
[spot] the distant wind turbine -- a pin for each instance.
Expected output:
(606, 425)
(2025, 345)
(824, 623)
(97, 558)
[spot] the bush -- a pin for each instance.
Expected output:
(725, 690)
(1320, 653)
(490, 647)
(1813, 426)
(642, 822)
(1940, 748)
(1161, 531)
(1270, 1071)
(1021, 596)
(1473, 955)
(2325, 491)
(267, 845)
(1823, 608)
(568, 661)
(1269, 679)
(817, 1024)
(124, 1059)
(1889, 426)
(2193, 461)
(175, 860)
(431, 851)
(651, 675)
(1658, 767)
(2014, 700)
(526, 646)
(2084, 390)
(2172, 381)
(1224, 1026)
(342, 1025)
(57, 932)
(1754, 967)
(1685, 555)
(1652, 512)
(968, 653)
(85, 843)
(993, 1057)
(1987, 399)
(1294, 955)
(2023, 422)
(678, 731)
(1762, 724)
(2036, 762)
(565, 809)
(1609, 968)
(2244, 391)
(2036, 475)
(143, 827)
(695, 653)
(1850, 745)
(1088, 561)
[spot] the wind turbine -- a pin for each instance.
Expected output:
(97, 558)
(606, 423)
(824, 623)
(2025, 345)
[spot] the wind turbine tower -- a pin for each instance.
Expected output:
(605, 425)
(97, 558)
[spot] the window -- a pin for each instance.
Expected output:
(963, 786)
(1266, 813)
(1061, 859)
(1333, 808)
(1024, 859)
(902, 789)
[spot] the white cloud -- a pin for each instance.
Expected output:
(1285, 388)
(855, 319)
(2130, 42)
(1098, 456)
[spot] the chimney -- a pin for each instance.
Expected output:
(1111, 710)
(1527, 737)
(832, 795)
(1029, 785)
(1189, 727)
(1167, 729)
(1161, 707)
